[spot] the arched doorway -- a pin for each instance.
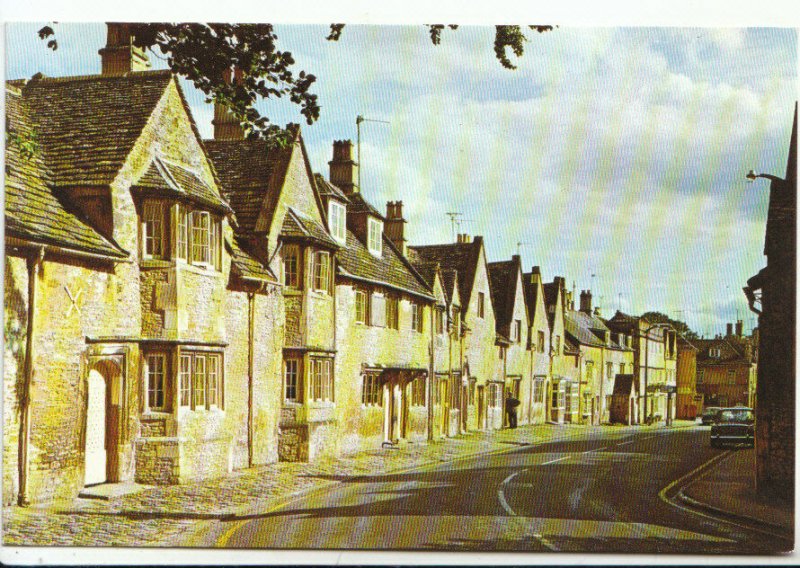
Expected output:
(103, 403)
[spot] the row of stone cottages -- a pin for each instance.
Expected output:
(176, 308)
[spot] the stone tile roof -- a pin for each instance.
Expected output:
(88, 125)
(357, 204)
(33, 209)
(250, 172)
(327, 189)
(503, 287)
(732, 351)
(587, 329)
(166, 176)
(531, 292)
(391, 269)
(550, 297)
(459, 257)
(570, 347)
(245, 264)
(298, 225)
(449, 278)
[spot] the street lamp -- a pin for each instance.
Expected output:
(647, 355)
(752, 176)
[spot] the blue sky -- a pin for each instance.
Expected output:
(618, 152)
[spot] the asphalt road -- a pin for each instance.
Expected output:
(598, 494)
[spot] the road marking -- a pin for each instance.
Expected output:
(596, 450)
(546, 543)
(502, 498)
(690, 477)
(556, 460)
(625, 443)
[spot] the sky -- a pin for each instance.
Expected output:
(615, 156)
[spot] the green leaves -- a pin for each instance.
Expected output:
(26, 142)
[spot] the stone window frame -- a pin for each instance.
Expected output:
(495, 395)
(321, 271)
(292, 275)
(418, 392)
(151, 390)
(540, 341)
(516, 329)
(481, 305)
(374, 237)
(371, 390)
(298, 380)
(456, 318)
(417, 317)
(439, 320)
(154, 225)
(321, 380)
(337, 220)
(182, 214)
(213, 395)
(538, 390)
(362, 295)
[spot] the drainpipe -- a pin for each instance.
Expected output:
(33, 263)
(251, 303)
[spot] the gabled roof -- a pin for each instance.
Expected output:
(586, 329)
(166, 176)
(551, 290)
(88, 125)
(732, 350)
(34, 211)
(449, 283)
(461, 258)
(503, 286)
(301, 226)
(327, 189)
(357, 204)
(251, 173)
(390, 270)
(531, 292)
(245, 264)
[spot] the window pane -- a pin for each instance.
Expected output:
(182, 246)
(186, 380)
(154, 229)
(213, 379)
(199, 381)
(155, 381)
(200, 237)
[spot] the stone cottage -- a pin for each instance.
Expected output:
(726, 369)
(539, 344)
(511, 313)
(121, 274)
(480, 372)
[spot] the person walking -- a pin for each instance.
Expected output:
(511, 409)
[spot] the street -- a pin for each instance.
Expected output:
(597, 494)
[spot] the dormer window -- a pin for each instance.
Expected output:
(374, 236)
(336, 221)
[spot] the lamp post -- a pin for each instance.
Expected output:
(647, 356)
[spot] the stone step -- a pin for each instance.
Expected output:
(108, 491)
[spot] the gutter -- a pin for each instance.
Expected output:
(34, 262)
(43, 247)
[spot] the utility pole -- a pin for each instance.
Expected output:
(359, 120)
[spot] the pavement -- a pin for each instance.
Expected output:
(728, 490)
(164, 515)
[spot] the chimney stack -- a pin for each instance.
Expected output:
(729, 330)
(739, 328)
(463, 238)
(586, 301)
(343, 169)
(394, 227)
(226, 126)
(120, 56)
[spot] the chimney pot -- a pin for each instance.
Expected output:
(729, 330)
(739, 328)
(226, 126)
(343, 170)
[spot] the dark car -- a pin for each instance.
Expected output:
(733, 426)
(709, 415)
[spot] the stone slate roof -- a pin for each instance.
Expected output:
(357, 204)
(570, 347)
(585, 329)
(550, 297)
(298, 225)
(459, 257)
(89, 124)
(391, 269)
(250, 172)
(327, 189)
(245, 264)
(449, 278)
(165, 176)
(33, 209)
(503, 286)
(732, 351)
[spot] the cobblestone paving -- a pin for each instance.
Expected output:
(160, 516)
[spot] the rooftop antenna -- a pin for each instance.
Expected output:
(619, 302)
(359, 120)
(454, 215)
(521, 244)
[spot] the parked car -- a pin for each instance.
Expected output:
(709, 415)
(733, 426)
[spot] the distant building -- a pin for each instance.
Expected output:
(539, 338)
(726, 370)
(689, 404)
